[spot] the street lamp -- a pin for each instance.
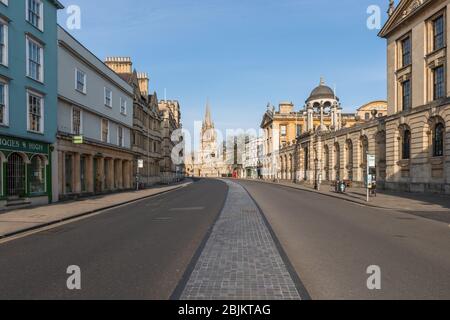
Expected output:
(317, 175)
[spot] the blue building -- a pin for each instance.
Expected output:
(28, 100)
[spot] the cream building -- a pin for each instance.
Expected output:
(417, 126)
(372, 109)
(282, 127)
(146, 138)
(411, 144)
(93, 105)
(209, 159)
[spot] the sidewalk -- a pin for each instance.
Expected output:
(22, 220)
(401, 201)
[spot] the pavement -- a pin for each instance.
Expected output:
(331, 243)
(240, 260)
(137, 251)
(22, 220)
(385, 199)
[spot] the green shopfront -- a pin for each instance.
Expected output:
(25, 171)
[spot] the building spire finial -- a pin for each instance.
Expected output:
(322, 81)
(208, 120)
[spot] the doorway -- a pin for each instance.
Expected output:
(16, 176)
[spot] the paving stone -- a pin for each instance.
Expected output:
(240, 260)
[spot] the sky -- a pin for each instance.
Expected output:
(241, 54)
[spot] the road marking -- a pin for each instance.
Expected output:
(187, 209)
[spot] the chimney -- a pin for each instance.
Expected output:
(120, 64)
(143, 82)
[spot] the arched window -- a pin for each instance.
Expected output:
(37, 175)
(406, 145)
(438, 140)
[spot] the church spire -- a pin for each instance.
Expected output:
(208, 121)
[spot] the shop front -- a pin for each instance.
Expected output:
(25, 172)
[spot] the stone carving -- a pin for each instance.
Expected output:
(413, 6)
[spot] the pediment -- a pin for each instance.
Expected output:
(266, 120)
(405, 9)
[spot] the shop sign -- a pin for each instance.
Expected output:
(27, 146)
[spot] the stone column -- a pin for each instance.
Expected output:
(334, 120)
(89, 174)
(126, 174)
(76, 177)
(111, 174)
(101, 174)
(321, 116)
(310, 118)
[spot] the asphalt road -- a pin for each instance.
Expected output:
(330, 244)
(139, 251)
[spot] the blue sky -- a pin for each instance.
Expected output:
(241, 54)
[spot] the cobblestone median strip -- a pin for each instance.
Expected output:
(240, 260)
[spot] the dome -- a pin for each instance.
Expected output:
(322, 92)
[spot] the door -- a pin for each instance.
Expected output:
(16, 176)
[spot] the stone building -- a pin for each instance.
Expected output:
(365, 112)
(147, 136)
(209, 161)
(171, 116)
(94, 104)
(418, 122)
(411, 144)
(282, 128)
(214, 158)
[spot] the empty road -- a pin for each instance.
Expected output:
(138, 251)
(330, 243)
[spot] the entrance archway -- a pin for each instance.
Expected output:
(16, 176)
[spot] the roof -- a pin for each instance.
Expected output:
(405, 10)
(322, 92)
(57, 4)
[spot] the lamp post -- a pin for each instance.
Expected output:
(316, 174)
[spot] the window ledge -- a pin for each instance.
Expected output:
(36, 132)
(435, 161)
(404, 163)
(436, 52)
(35, 80)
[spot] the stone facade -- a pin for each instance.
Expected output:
(171, 116)
(281, 128)
(147, 135)
(411, 144)
(417, 33)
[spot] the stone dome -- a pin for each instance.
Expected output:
(322, 92)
